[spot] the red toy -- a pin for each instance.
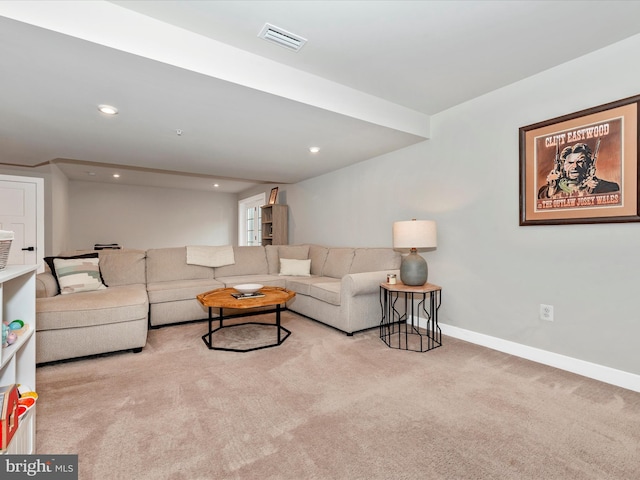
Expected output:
(8, 414)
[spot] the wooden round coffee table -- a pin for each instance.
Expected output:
(222, 298)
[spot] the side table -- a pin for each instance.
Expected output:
(402, 308)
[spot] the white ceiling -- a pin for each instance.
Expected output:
(364, 84)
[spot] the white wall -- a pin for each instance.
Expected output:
(149, 217)
(58, 212)
(495, 273)
(55, 210)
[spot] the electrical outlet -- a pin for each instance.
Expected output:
(546, 312)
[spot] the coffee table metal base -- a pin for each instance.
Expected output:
(281, 332)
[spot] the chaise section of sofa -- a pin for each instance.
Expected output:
(94, 322)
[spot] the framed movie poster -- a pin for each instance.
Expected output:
(581, 167)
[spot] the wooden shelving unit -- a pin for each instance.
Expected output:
(18, 361)
(275, 225)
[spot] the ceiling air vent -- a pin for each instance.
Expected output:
(282, 37)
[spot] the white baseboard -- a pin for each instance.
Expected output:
(612, 376)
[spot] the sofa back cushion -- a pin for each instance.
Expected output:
(318, 256)
(123, 267)
(165, 264)
(338, 262)
(273, 259)
(249, 260)
(375, 259)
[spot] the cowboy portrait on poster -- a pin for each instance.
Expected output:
(580, 168)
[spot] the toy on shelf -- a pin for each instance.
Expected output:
(26, 401)
(16, 325)
(12, 330)
(9, 418)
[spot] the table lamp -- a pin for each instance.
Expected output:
(412, 235)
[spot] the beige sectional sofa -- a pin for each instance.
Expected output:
(341, 290)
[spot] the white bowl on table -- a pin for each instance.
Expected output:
(248, 288)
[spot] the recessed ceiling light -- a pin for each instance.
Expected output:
(91, 174)
(314, 149)
(116, 175)
(108, 109)
(216, 185)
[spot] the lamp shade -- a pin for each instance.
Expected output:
(415, 234)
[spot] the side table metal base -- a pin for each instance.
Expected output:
(402, 330)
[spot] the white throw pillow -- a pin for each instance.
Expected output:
(298, 268)
(78, 275)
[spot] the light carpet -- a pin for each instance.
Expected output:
(327, 406)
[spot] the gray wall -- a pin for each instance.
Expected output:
(494, 273)
(149, 217)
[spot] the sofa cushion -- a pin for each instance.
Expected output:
(111, 305)
(166, 264)
(269, 280)
(249, 261)
(318, 256)
(375, 259)
(273, 260)
(123, 267)
(46, 285)
(338, 262)
(326, 291)
(299, 268)
(77, 275)
(174, 290)
(297, 252)
(302, 285)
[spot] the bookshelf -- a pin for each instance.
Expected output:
(275, 224)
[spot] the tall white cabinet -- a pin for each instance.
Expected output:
(18, 361)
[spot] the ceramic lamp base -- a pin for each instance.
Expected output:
(413, 270)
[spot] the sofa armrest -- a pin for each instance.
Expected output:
(364, 283)
(46, 285)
